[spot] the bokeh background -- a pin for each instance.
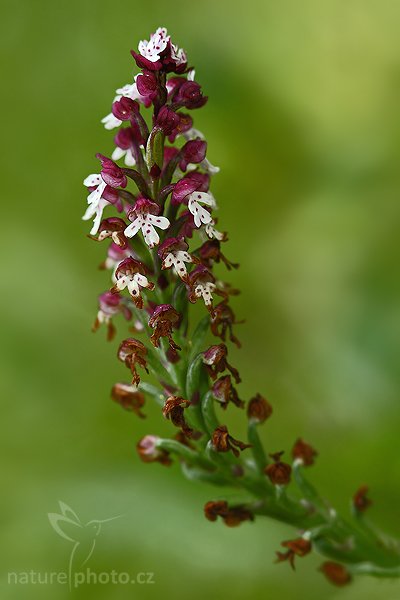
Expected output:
(303, 120)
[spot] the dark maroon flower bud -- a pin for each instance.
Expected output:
(223, 442)
(304, 452)
(188, 224)
(174, 411)
(174, 84)
(124, 109)
(162, 320)
(360, 500)
(215, 359)
(167, 119)
(193, 152)
(182, 189)
(127, 137)
(189, 95)
(298, 547)
(170, 152)
(132, 352)
(210, 252)
(113, 228)
(335, 573)
(225, 392)
(278, 472)
(222, 320)
(202, 179)
(232, 516)
(185, 123)
(148, 451)
(147, 85)
(110, 305)
(144, 63)
(111, 173)
(129, 397)
(258, 409)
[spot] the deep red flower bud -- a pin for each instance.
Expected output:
(182, 189)
(148, 451)
(144, 63)
(111, 173)
(185, 123)
(127, 136)
(167, 119)
(193, 152)
(258, 409)
(278, 472)
(129, 397)
(304, 452)
(124, 108)
(189, 95)
(147, 85)
(336, 573)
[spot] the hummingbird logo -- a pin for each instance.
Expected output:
(83, 536)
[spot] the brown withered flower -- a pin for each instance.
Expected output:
(304, 452)
(162, 320)
(259, 409)
(113, 228)
(210, 252)
(148, 451)
(215, 359)
(223, 442)
(232, 516)
(132, 352)
(278, 472)
(225, 392)
(298, 547)
(174, 411)
(360, 500)
(335, 573)
(129, 397)
(222, 320)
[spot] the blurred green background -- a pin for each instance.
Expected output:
(303, 121)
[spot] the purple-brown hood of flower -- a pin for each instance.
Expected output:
(172, 245)
(111, 173)
(164, 312)
(124, 109)
(193, 152)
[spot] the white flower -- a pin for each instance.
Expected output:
(158, 42)
(177, 260)
(133, 282)
(204, 290)
(200, 214)
(195, 134)
(178, 55)
(146, 221)
(95, 201)
(120, 152)
(212, 232)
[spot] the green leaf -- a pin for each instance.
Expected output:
(155, 148)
